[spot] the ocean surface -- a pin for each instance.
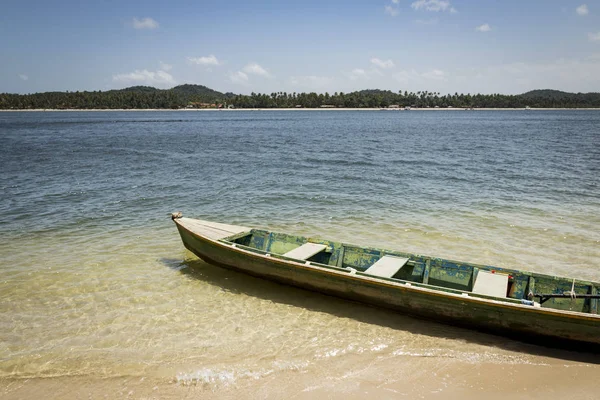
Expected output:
(99, 299)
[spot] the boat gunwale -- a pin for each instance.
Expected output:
(432, 258)
(395, 283)
(354, 271)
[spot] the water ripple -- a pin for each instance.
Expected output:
(94, 280)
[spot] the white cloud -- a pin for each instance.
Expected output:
(242, 77)
(594, 37)
(255, 69)
(310, 82)
(396, 1)
(582, 10)
(165, 67)
(238, 77)
(159, 78)
(357, 73)
(484, 28)
(23, 77)
(424, 79)
(145, 23)
(382, 64)
(574, 75)
(435, 74)
(393, 11)
(433, 5)
(210, 60)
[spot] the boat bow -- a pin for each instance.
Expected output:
(211, 230)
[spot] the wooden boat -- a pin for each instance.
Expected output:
(533, 307)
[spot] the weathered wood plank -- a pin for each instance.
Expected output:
(306, 251)
(530, 288)
(426, 271)
(340, 260)
(387, 266)
(213, 230)
(491, 284)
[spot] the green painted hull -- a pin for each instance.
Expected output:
(544, 326)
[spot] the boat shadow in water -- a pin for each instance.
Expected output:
(240, 283)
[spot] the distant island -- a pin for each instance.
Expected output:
(198, 96)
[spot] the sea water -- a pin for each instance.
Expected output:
(99, 299)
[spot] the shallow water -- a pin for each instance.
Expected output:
(98, 296)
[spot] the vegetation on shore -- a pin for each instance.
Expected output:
(198, 96)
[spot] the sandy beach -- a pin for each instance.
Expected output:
(414, 378)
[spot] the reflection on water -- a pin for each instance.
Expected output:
(97, 291)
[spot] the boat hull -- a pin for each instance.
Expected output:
(541, 326)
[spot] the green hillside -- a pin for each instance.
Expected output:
(145, 97)
(140, 89)
(557, 98)
(135, 97)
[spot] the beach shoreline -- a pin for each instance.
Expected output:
(294, 109)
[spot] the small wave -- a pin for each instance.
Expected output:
(208, 377)
(335, 352)
(418, 353)
(215, 378)
(339, 162)
(469, 357)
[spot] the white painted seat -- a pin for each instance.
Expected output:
(387, 266)
(306, 251)
(491, 284)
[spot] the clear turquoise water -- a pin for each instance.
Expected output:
(94, 280)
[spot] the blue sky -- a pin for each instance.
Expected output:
(447, 46)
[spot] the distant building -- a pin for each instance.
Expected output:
(327, 106)
(393, 106)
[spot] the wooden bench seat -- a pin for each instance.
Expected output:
(306, 251)
(387, 266)
(491, 284)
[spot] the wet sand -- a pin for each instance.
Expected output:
(409, 377)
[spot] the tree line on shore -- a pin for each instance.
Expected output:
(194, 96)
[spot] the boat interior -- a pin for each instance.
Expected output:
(521, 287)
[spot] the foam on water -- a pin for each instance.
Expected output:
(214, 379)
